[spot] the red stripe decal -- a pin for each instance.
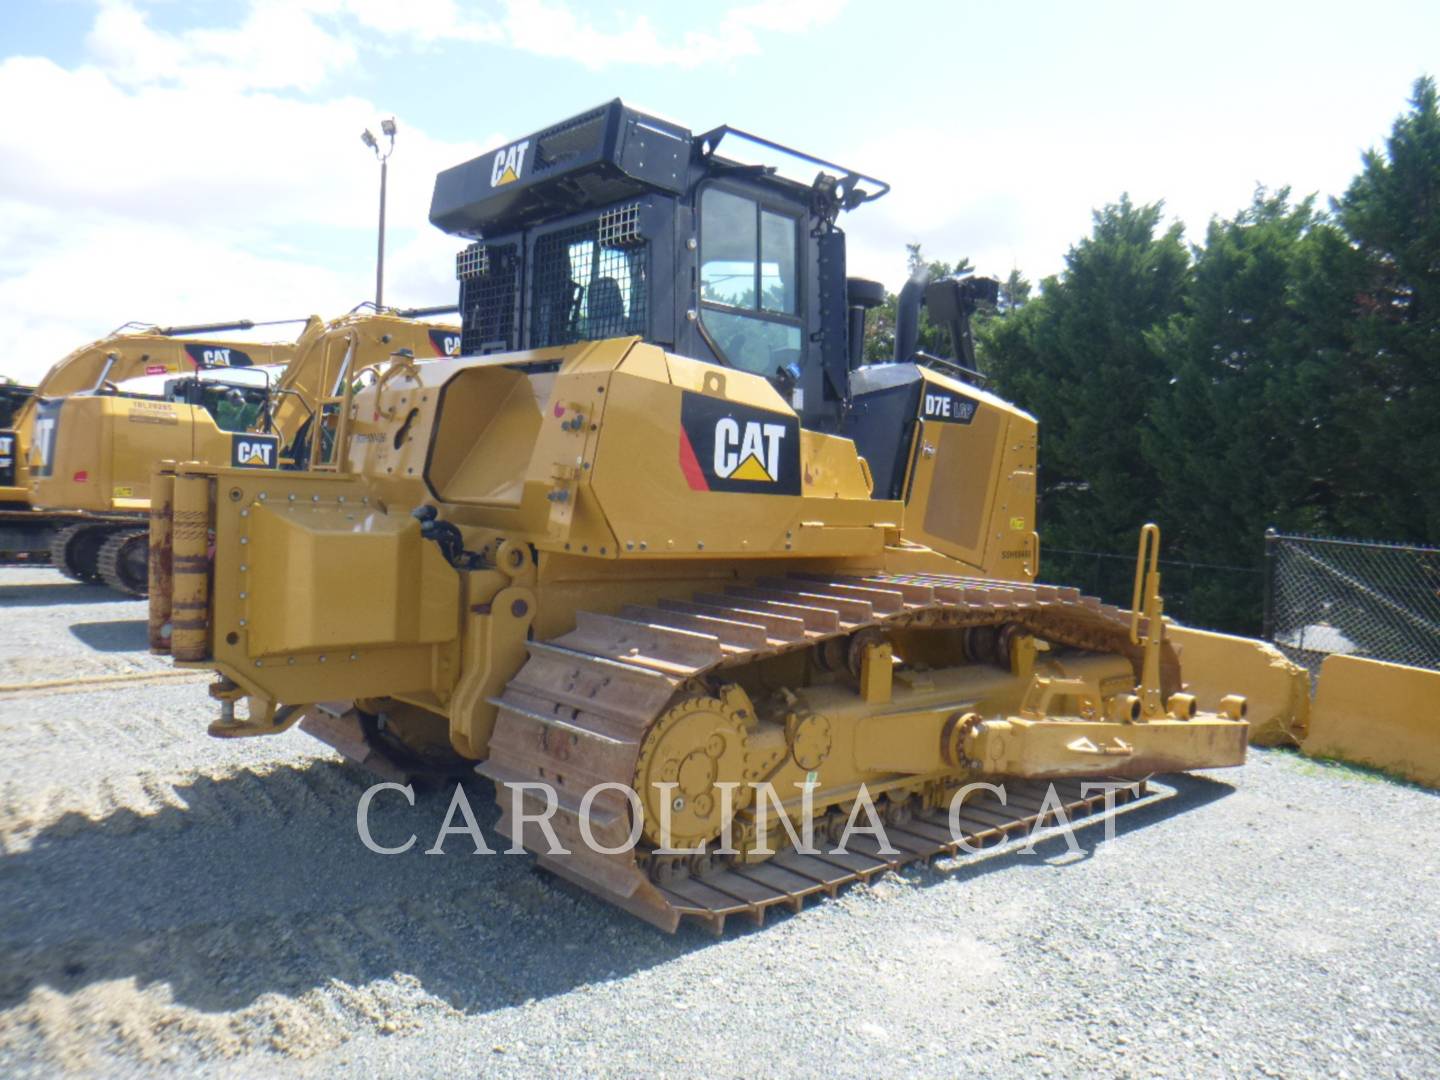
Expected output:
(690, 465)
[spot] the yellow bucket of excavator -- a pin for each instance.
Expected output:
(1383, 715)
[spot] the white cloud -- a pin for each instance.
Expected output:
(278, 46)
(1018, 196)
(191, 203)
(553, 29)
(571, 31)
(301, 43)
(177, 176)
(418, 20)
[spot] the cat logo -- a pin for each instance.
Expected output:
(211, 356)
(509, 164)
(751, 454)
(725, 446)
(253, 451)
(445, 342)
(42, 438)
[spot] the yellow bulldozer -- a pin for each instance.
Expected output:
(91, 453)
(667, 563)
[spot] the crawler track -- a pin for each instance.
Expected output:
(75, 550)
(577, 713)
(123, 562)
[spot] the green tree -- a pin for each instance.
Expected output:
(1389, 398)
(1237, 437)
(1014, 292)
(1080, 356)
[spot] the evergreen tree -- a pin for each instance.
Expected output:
(1080, 356)
(1235, 435)
(1390, 395)
(1014, 292)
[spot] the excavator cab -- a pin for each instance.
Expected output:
(237, 400)
(12, 398)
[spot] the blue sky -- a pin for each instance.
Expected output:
(173, 161)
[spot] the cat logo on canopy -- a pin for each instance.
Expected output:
(509, 164)
(725, 446)
(254, 451)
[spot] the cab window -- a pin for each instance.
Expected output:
(748, 282)
(233, 408)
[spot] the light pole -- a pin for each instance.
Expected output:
(387, 128)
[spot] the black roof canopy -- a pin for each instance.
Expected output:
(610, 153)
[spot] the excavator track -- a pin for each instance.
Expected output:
(75, 551)
(577, 714)
(124, 561)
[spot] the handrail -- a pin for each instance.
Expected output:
(1147, 581)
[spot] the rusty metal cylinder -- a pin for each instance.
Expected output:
(162, 509)
(190, 569)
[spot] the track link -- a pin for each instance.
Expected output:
(578, 711)
(123, 562)
(75, 551)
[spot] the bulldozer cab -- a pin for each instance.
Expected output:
(726, 248)
(716, 247)
(617, 223)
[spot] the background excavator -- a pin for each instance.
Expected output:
(132, 351)
(14, 398)
(91, 453)
(658, 539)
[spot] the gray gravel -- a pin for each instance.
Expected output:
(174, 903)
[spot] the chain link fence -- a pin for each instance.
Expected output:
(1325, 596)
(1210, 595)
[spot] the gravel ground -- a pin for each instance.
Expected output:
(175, 903)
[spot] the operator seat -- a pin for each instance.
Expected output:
(607, 308)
